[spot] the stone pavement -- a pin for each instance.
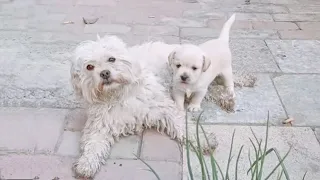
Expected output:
(40, 120)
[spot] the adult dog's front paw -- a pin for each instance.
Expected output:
(194, 107)
(85, 169)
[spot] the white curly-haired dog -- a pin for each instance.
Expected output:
(196, 66)
(123, 96)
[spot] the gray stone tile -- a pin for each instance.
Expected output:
(41, 166)
(309, 25)
(153, 141)
(252, 17)
(136, 170)
(13, 24)
(132, 40)
(76, 119)
(299, 34)
(155, 30)
(252, 56)
(26, 129)
(304, 155)
(304, 9)
(296, 56)
(204, 14)
(248, 55)
(184, 22)
(236, 34)
(296, 17)
(107, 28)
(300, 96)
(317, 132)
(252, 106)
(126, 148)
(70, 144)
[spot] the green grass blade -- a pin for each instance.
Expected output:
(230, 153)
(220, 171)
(257, 156)
(279, 158)
(265, 148)
(280, 175)
(188, 149)
(150, 168)
(199, 149)
(200, 155)
(304, 176)
(237, 162)
(250, 163)
(280, 163)
(212, 160)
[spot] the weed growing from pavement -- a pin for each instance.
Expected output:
(257, 164)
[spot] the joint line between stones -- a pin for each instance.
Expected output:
(282, 104)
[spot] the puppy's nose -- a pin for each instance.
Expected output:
(105, 74)
(184, 77)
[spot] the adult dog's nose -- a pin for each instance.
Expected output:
(184, 77)
(105, 74)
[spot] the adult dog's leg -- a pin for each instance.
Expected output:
(95, 147)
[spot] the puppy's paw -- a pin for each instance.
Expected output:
(83, 169)
(194, 107)
(227, 103)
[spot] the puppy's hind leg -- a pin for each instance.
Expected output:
(227, 99)
(95, 147)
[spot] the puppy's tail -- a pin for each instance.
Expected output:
(224, 34)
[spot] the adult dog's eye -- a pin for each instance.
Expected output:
(112, 59)
(178, 65)
(194, 68)
(90, 67)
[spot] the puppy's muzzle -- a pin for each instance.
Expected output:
(105, 74)
(184, 77)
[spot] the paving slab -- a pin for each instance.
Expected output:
(309, 25)
(186, 33)
(299, 34)
(296, 56)
(304, 155)
(136, 170)
(248, 55)
(300, 96)
(252, 106)
(317, 132)
(36, 167)
(69, 145)
(30, 130)
(153, 141)
(126, 148)
(76, 119)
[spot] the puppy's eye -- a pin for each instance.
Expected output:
(90, 67)
(112, 59)
(178, 65)
(194, 68)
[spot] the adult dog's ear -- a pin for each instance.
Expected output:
(206, 63)
(171, 57)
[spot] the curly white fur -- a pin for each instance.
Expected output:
(133, 97)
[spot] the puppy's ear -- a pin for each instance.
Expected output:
(75, 81)
(206, 63)
(171, 57)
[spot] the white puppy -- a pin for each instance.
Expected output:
(195, 67)
(123, 97)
